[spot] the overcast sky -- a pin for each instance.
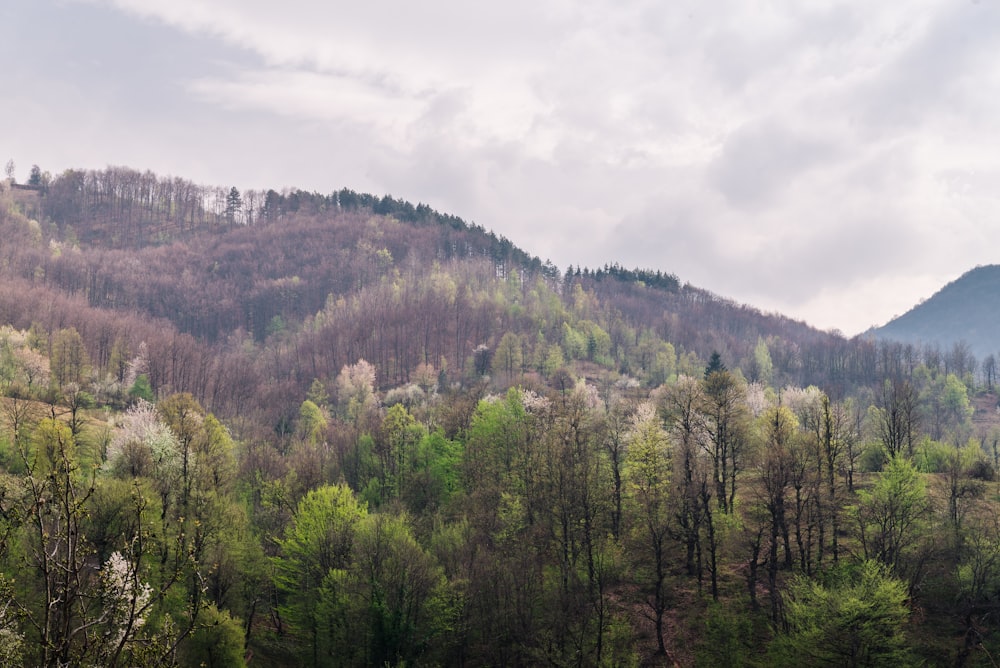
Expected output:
(832, 161)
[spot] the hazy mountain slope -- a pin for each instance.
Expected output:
(967, 309)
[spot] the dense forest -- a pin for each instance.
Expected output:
(288, 428)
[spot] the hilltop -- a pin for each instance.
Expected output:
(217, 276)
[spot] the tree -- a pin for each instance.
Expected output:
(780, 428)
(356, 390)
(9, 170)
(833, 441)
(216, 642)
(571, 503)
(762, 368)
(145, 447)
(312, 423)
(199, 508)
(897, 417)
(890, 517)
(35, 177)
(648, 475)
(318, 543)
(617, 419)
(141, 389)
(681, 406)
(395, 448)
(989, 370)
(234, 203)
(393, 598)
(725, 420)
(509, 356)
(76, 400)
(77, 610)
(482, 358)
(714, 364)
(69, 359)
(856, 618)
(185, 417)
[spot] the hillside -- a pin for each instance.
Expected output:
(319, 281)
(967, 310)
(292, 428)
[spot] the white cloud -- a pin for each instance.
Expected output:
(793, 155)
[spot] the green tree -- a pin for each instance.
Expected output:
(234, 202)
(69, 360)
(76, 608)
(141, 389)
(318, 395)
(312, 423)
(395, 448)
(216, 641)
(727, 638)
(856, 618)
(509, 357)
(726, 424)
(714, 364)
(435, 473)
(394, 599)
(890, 518)
(648, 475)
(572, 504)
(762, 367)
(553, 360)
(317, 545)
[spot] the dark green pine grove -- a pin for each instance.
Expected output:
(294, 429)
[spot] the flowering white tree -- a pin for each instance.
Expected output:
(143, 445)
(125, 600)
(356, 389)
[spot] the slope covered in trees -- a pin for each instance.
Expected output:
(343, 430)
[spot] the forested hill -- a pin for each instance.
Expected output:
(323, 280)
(966, 311)
(274, 429)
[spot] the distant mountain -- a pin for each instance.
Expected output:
(966, 310)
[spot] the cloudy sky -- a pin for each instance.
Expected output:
(832, 161)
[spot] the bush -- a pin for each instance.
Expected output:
(982, 469)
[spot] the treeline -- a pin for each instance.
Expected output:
(707, 521)
(654, 279)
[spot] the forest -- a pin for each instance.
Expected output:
(296, 429)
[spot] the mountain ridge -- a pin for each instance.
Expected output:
(957, 314)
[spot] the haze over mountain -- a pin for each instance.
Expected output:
(965, 310)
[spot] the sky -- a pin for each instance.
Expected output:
(835, 162)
